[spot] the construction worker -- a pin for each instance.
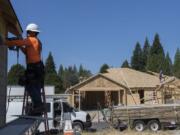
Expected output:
(34, 74)
(161, 76)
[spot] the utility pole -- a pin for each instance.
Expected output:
(3, 82)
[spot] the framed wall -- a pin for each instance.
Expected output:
(3, 72)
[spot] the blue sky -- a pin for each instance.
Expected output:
(93, 32)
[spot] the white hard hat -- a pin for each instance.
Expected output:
(32, 27)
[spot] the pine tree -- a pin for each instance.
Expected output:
(50, 70)
(145, 53)
(125, 64)
(156, 57)
(67, 78)
(81, 71)
(167, 65)
(51, 77)
(50, 65)
(72, 75)
(84, 73)
(104, 68)
(61, 71)
(66, 83)
(75, 71)
(15, 73)
(61, 75)
(136, 60)
(176, 67)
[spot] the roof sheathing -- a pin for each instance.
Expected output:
(132, 78)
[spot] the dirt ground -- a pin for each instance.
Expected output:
(115, 132)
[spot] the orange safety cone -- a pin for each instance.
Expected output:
(68, 128)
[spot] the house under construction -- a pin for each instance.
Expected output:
(124, 86)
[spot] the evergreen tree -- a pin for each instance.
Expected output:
(61, 75)
(145, 53)
(104, 68)
(72, 75)
(136, 60)
(70, 78)
(167, 65)
(125, 64)
(84, 73)
(156, 57)
(61, 71)
(50, 65)
(176, 67)
(51, 77)
(50, 70)
(66, 83)
(81, 71)
(75, 71)
(15, 73)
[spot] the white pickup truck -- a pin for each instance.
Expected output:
(15, 96)
(80, 120)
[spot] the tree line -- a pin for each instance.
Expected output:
(62, 79)
(151, 58)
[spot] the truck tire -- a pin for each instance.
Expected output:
(77, 126)
(139, 125)
(154, 125)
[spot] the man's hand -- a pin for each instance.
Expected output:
(13, 48)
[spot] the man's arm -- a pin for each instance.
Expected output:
(21, 42)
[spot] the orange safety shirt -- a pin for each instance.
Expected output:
(32, 48)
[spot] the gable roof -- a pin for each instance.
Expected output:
(124, 77)
(8, 13)
(81, 84)
(132, 78)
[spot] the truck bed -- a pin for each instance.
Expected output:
(162, 112)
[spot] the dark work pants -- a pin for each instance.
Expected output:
(34, 90)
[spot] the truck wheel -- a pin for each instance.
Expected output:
(77, 126)
(139, 125)
(154, 125)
